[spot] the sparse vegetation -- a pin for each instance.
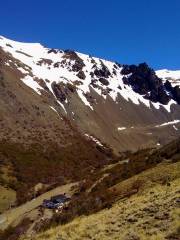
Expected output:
(50, 165)
(14, 233)
(151, 213)
(145, 169)
(103, 195)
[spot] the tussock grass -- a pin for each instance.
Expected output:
(150, 214)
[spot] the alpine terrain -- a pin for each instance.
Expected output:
(104, 134)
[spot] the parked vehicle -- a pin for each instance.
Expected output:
(56, 202)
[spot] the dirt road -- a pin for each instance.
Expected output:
(12, 215)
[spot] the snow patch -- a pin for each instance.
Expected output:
(172, 76)
(94, 139)
(29, 81)
(83, 98)
(54, 110)
(23, 70)
(168, 123)
(7, 64)
(121, 128)
(175, 127)
(62, 106)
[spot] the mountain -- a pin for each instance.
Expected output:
(96, 130)
(172, 76)
(125, 107)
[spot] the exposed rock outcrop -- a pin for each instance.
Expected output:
(144, 81)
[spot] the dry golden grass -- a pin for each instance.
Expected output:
(7, 198)
(150, 214)
(15, 215)
(7, 195)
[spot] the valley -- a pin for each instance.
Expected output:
(106, 134)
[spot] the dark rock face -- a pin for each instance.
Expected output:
(71, 87)
(79, 64)
(127, 69)
(44, 61)
(176, 94)
(114, 72)
(106, 91)
(144, 81)
(117, 65)
(81, 75)
(9, 45)
(60, 91)
(102, 72)
(63, 90)
(162, 96)
(57, 64)
(104, 81)
(52, 50)
(94, 83)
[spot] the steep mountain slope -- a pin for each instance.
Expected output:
(125, 107)
(38, 144)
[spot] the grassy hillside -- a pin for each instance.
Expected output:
(151, 213)
(96, 191)
(134, 196)
(49, 164)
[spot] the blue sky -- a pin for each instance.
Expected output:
(127, 31)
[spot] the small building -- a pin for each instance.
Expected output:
(56, 202)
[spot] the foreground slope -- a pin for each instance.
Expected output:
(151, 212)
(142, 187)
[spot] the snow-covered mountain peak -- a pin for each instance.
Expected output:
(172, 76)
(44, 89)
(46, 69)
